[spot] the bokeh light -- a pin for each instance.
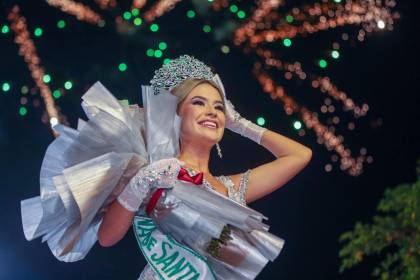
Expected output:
(154, 27)
(24, 90)
(241, 14)
(137, 21)
(381, 24)
(23, 111)
(56, 94)
(287, 42)
(297, 125)
(46, 78)
(68, 85)
(5, 87)
(322, 63)
(158, 53)
(122, 67)
(150, 52)
(225, 49)
(61, 24)
(5, 29)
(260, 121)
(135, 12)
(206, 28)
(163, 46)
(127, 15)
(38, 32)
(233, 8)
(190, 14)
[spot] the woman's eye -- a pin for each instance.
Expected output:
(198, 102)
(220, 108)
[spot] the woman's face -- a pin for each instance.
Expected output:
(202, 113)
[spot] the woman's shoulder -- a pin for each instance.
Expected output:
(233, 180)
(237, 185)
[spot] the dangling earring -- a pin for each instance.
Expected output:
(219, 151)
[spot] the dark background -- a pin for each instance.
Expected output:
(310, 212)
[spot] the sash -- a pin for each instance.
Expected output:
(168, 258)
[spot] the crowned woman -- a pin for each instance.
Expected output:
(149, 168)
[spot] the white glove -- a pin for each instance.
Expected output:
(135, 192)
(242, 126)
(235, 122)
(160, 174)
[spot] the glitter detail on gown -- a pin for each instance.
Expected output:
(237, 195)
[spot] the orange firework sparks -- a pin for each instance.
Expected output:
(159, 9)
(138, 4)
(28, 51)
(106, 4)
(266, 25)
(80, 11)
(323, 83)
(321, 16)
(353, 166)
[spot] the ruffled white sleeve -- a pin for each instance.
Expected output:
(83, 171)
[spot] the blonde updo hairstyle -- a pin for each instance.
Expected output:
(182, 90)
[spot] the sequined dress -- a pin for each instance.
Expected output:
(235, 193)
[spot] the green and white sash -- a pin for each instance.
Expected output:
(168, 258)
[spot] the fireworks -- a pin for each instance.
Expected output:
(259, 36)
(324, 84)
(28, 51)
(106, 4)
(80, 11)
(268, 25)
(159, 9)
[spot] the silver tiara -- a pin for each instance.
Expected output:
(178, 70)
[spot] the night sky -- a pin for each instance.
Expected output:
(309, 212)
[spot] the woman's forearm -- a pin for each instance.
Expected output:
(117, 220)
(281, 146)
(291, 158)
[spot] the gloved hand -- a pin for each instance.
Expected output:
(242, 126)
(235, 122)
(160, 174)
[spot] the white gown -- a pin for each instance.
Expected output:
(86, 169)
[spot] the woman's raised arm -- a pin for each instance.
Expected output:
(291, 156)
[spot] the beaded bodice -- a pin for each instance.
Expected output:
(235, 193)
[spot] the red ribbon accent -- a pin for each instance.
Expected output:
(183, 176)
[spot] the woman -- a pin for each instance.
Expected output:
(203, 111)
(157, 178)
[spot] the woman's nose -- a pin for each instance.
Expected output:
(211, 111)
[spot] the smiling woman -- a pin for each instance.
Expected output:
(204, 111)
(203, 114)
(189, 224)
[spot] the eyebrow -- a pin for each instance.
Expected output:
(205, 99)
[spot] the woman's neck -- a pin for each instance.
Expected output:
(196, 158)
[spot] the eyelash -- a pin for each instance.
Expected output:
(199, 102)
